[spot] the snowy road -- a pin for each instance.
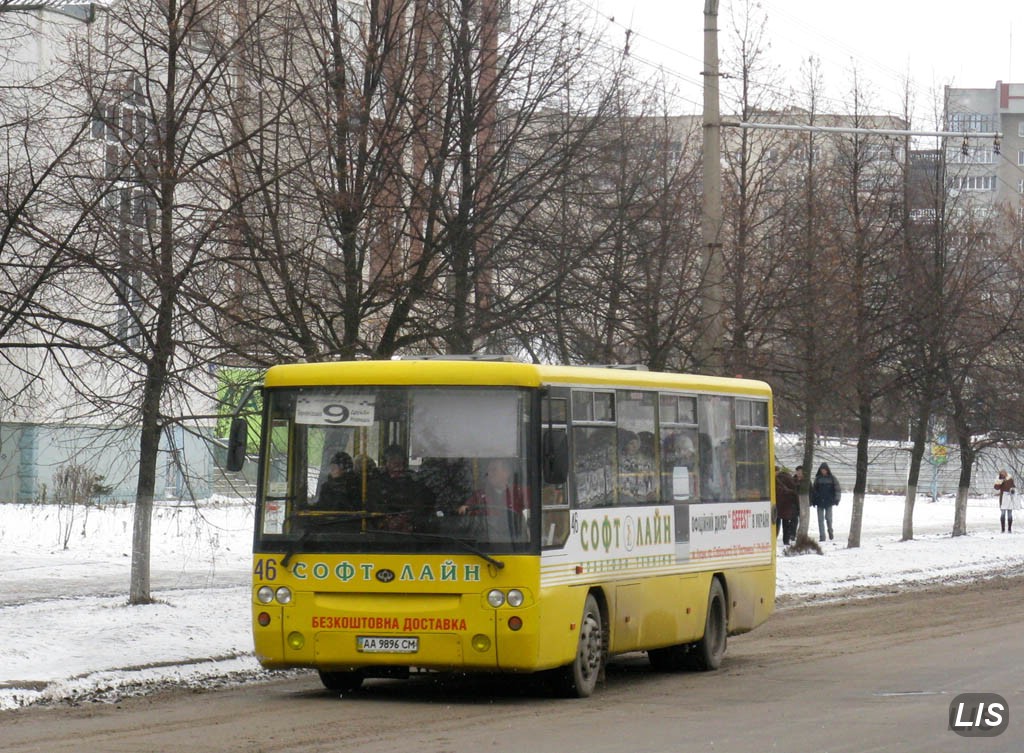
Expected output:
(843, 677)
(77, 638)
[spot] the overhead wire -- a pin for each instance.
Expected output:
(913, 88)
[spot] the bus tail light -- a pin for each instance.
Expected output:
(515, 622)
(263, 619)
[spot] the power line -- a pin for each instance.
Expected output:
(874, 131)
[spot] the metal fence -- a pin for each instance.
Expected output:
(889, 465)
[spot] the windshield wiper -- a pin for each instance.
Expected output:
(451, 539)
(323, 521)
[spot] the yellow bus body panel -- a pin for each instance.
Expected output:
(440, 600)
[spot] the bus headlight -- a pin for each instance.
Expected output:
(284, 595)
(265, 595)
(495, 598)
(515, 598)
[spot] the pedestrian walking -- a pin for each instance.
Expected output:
(825, 494)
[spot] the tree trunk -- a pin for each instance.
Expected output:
(149, 442)
(964, 488)
(916, 455)
(861, 482)
(805, 482)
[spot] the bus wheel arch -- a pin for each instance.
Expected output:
(579, 678)
(707, 653)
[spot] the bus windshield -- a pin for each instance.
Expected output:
(375, 468)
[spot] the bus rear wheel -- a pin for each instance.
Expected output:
(707, 653)
(341, 682)
(579, 678)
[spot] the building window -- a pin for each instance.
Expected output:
(976, 155)
(975, 183)
(1020, 156)
(971, 122)
(1020, 186)
(1020, 128)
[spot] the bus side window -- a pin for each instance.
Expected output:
(556, 456)
(637, 466)
(751, 450)
(554, 526)
(679, 482)
(594, 465)
(716, 450)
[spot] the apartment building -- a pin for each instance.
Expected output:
(986, 173)
(39, 433)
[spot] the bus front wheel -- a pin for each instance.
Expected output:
(579, 678)
(706, 654)
(341, 682)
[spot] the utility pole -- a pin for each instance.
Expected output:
(710, 353)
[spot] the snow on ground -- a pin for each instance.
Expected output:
(70, 634)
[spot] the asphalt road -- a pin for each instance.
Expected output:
(874, 674)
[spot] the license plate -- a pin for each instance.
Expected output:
(386, 644)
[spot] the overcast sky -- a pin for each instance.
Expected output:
(937, 42)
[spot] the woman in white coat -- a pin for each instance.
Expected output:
(1007, 500)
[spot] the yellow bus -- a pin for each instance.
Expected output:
(474, 515)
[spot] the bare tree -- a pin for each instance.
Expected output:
(397, 203)
(760, 181)
(866, 232)
(121, 325)
(928, 276)
(806, 363)
(976, 362)
(631, 214)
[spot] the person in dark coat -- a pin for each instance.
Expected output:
(338, 490)
(825, 494)
(405, 501)
(787, 504)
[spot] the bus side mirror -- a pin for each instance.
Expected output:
(555, 460)
(237, 438)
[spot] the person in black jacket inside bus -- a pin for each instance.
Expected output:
(406, 503)
(338, 490)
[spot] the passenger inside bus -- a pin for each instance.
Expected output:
(637, 481)
(405, 501)
(499, 505)
(449, 479)
(339, 491)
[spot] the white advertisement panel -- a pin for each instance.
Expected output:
(713, 534)
(721, 531)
